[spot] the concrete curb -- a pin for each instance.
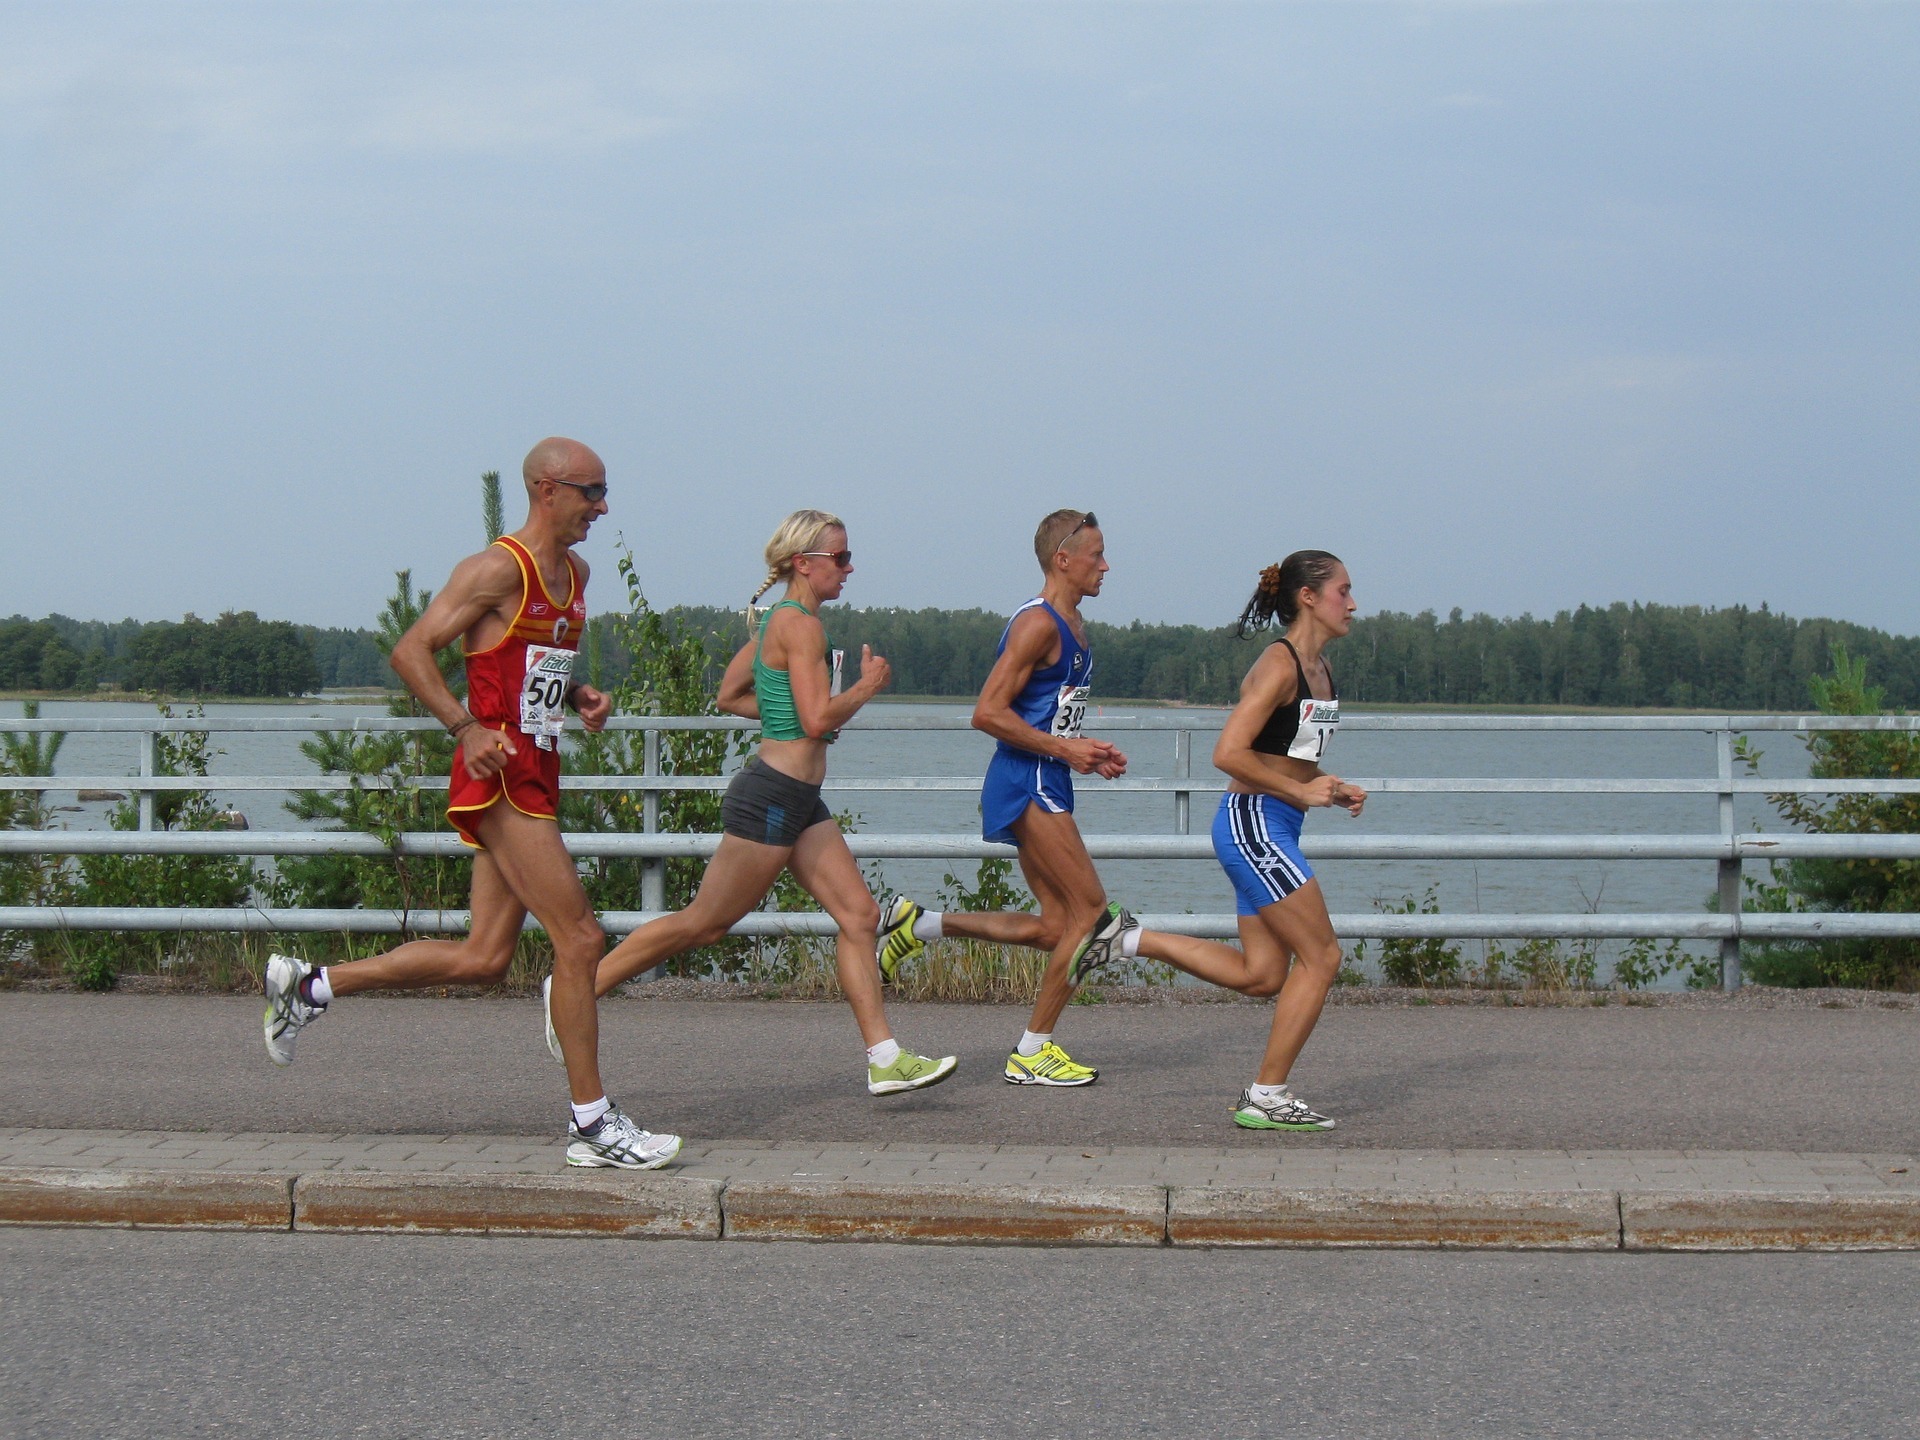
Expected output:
(640, 1206)
(948, 1214)
(594, 1202)
(1537, 1220)
(1770, 1222)
(176, 1199)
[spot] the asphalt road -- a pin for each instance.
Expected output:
(1524, 1078)
(127, 1333)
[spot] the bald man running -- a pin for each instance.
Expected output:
(519, 607)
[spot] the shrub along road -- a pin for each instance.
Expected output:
(1734, 1077)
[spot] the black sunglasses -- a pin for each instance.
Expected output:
(1085, 521)
(842, 558)
(594, 493)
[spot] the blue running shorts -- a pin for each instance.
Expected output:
(1257, 840)
(1015, 780)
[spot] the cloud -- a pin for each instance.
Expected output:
(103, 119)
(479, 115)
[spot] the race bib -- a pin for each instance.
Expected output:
(1069, 709)
(1318, 721)
(543, 696)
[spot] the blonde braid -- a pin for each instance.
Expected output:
(753, 605)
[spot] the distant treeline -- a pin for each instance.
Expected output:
(1619, 655)
(1626, 655)
(235, 655)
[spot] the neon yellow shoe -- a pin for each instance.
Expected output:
(898, 943)
(1052, 1066)
(909, 1072)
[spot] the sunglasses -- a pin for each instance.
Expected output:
(842, 558)
(1085, 521)
(592, 493)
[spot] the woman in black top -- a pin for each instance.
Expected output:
(1271, 748)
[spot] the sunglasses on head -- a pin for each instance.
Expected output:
(842, 558)
(593, 492)
(1085, 521)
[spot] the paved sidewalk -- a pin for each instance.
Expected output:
(970, 1194)
(1312, 1166)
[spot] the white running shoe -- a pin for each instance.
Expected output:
(287, 1013)
(1102, 943)
(1288, 1112)
(617, 1141)
(546, 1008)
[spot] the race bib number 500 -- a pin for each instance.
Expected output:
(543, 697)
(1069, 709)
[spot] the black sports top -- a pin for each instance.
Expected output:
(1278, 735)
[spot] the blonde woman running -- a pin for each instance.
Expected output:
(1271, 748)
(773, 816)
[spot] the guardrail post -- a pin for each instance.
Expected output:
(653, 873)
(1182, 770)
(149, 748)
(1729, 866)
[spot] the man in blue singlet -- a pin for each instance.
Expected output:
(1032, 704)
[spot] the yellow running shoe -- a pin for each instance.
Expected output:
(909, 1072)
(1052, 1066)
(898, 943)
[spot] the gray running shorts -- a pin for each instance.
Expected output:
(768, 807)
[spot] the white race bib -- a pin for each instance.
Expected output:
(1069, 709)
(543, 695)
(1318, 720)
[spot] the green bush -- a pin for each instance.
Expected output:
(1860, 886)
(94, 959)
(385, 800)
(1424, 963)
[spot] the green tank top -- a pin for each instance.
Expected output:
(774, 688)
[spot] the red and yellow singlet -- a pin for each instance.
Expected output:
(520, 685)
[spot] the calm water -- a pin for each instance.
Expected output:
(1511, 885)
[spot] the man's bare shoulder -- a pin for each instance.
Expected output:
(493, 573)
(580, 564)
(1032, 632)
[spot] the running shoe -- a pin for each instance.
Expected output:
(1102, 942)
(898, 943)
(546, 1009)
(1289, 1112)
(288, 1012)
(909, 1072)
(1051, 1066)
(618, 1142)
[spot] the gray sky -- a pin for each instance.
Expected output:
(1513, 306)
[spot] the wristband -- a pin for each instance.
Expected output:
(458, 726)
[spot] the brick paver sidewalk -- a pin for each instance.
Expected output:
(1298, 1162)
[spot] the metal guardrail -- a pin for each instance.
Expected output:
(1725, 847)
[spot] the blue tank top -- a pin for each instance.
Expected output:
(1054, 699)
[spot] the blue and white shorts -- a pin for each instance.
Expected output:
(1257, 840)
(1015, 780)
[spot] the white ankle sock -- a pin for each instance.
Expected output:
(321, 989)
(1030, 1043)
(1268, 1094)
(1130, 942)
(928, 926)
(885, 1053)
(587, 1115)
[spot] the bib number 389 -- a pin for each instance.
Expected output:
(543, 695)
